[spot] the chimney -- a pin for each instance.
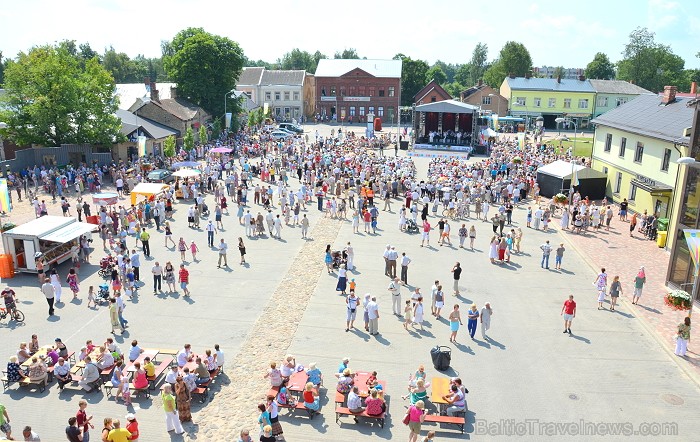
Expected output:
(694, 87)
(511, 75)
(480, 82)
(154, 92)
(558, 78)
(581, 78)
(669, 95)
(173, 92)
(528, 74)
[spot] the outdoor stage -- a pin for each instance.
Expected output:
(447, 147)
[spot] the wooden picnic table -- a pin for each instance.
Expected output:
(297, 381)
(440, 387)
(93, 357)
(43, 351)
(149, 352)
(361, 383)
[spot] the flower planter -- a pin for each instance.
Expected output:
(678, 300)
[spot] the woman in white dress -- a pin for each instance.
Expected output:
(356, 222)
(493, 249)
(418, 312)
(402, 219)
(56, 283)
(565, 218)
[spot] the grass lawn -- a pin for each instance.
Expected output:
(584, 146)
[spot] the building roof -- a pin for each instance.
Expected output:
(549, 84)
(447, 106)
(472, 90)
(128, 93)
(617, 87)
(376, 68)
(646, 116)
(131, 122)
(432, 86)
(250, 76)
(292, 78)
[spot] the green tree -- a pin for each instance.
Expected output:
(435, 73)
(495, 74)
(317, 57)
(473, 71)
(205, 67)
(559, 72)
(169, 146)
(86, 52)
(298, 59)
(514, 58)
(454, 89)
(121, 67)
(649, 64)
(2, 70)
(600, 68)
(203, 138)
(216, 128)
(188, 139)
(52, 99)
(347, 54)
(450, 70)
(413, 74)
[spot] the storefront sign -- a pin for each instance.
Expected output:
(356, 98)
(329, 98)
(648, 181)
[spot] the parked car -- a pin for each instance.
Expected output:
(280, 134)
(160, 176)
(292, 127)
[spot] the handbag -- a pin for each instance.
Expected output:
(406, 419)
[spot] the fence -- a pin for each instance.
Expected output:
(56, 156)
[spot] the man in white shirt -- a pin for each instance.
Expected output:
(50, 292)
(249, 228)
(405, 261)
(136, 264)
(223, 247)
(62, 373)
(433, 291)
(355, 401)
(120, 187)
(278, 227)
(393, 255)
(210, 228)
(270, 219)
(387, 272)
(395, 290)
(184, 356)
(373, 315)
(219, 357)
(157, 271)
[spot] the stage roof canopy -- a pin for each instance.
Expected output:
(447, 107)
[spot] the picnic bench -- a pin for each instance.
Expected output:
(439, 419)
(343, 411)
(24, 382)
(202, 390)
(299, 405)
(160, 369)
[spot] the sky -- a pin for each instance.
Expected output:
(556, 33)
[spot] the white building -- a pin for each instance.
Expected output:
(282, 91)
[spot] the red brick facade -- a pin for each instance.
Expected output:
(355, 94)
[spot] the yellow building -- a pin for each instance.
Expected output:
(637, 145)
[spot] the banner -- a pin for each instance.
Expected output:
(494, 118)
(521, 140)
(693, 240)
(5, 203)
(141, 146)
(228, 117)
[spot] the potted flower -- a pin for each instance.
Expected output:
(517, 160)
(678, 300)
(7, 226)
(560, 198)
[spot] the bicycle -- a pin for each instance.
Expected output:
(16, 315)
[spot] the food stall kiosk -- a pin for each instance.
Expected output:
(52, 237)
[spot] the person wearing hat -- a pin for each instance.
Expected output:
(132, 427)
(314, 374)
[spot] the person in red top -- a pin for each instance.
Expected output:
(568, 311)
(426, 233)
(310, 397)
(132, 427)
(83, 420)
(367, 217)
(184, 279)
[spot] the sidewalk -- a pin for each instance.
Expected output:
(622, 255)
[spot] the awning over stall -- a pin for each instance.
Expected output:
(69, 232)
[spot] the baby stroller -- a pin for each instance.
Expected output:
(411, 226)
(337, 259)
(102, 294)
(205, 210)
(106, 266)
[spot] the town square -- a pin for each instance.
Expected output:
(345, 248)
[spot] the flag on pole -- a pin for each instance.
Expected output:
(693, 239)
(574, 178)
(142, 146)
(521, 140)
(5, 203)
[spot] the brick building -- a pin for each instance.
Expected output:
(431, 93)
(349, 90)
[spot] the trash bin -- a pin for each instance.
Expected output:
(404, 145)
(662, 225)
(377, 124)
(661, 238)
(442, 356)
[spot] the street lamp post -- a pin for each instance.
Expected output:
(226, 95)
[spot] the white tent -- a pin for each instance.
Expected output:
(147, 190)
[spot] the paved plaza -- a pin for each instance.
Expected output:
(615, 368)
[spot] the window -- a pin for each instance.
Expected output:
(567, 103)
(666, 160)
(286, 96)
(380, 111)
(552, 102)
(342, 91)
(618, 182)
(623, 145)
(638, 153)
(520, 101)
(361, 92)
(538, 102)
(352, 111)
(602, 102)
(332, 91)
(296, 96)
(583, 103)
(620, 101)
(486, 100)
(633, 192)
(362, 111)
(381, 91)
(370, 110)
(605, 170)
(268, 96)
(371, 91)
(392, 91)
(433, 99)
(608, 142)
(277, 96)
(391, 111)
(352, 91)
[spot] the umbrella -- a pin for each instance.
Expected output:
(221, 150)
(185, 164)
(105, 199)
(186, 173)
